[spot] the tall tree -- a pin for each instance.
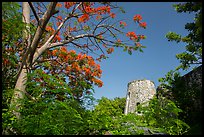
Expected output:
(85, 26)
(20, 84)
(186, 96)
(193, 53)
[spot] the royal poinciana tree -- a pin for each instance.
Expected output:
(58, 39)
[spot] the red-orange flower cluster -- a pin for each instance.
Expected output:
(132, 35)
(48, 28)
(137, 18)
(5, 62)
(98, 82)
(110, 50)
(70, 29)
(59, 5)
(59, 18)
(57, 37)
(143, 24)
(78, 66)
(102, 10)
(89, 9)
(83, 18)
(69, 4)
(112, 15)
(86, 8)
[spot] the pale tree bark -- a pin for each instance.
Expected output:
(20, 84)
(31, 47)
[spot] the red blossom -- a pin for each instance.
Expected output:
(143, 24)
(110, 50)
(83, 18)
(68, 4)
(59, 5)
(112, 15)
(132, 35)
(59, 17)
(137, 17)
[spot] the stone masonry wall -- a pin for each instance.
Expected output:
(194, 77)
(193, 86)
(139, 91)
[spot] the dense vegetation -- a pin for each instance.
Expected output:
(59, 94)
(187, 97)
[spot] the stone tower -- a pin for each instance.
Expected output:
(139, 91)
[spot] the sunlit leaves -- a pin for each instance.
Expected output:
(163, 113)
(172, 36)
(122, 10)
(193, 40)
(86, 28)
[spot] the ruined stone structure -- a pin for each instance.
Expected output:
(190, 89)
(139, 91)
(193, 95)
(194, 77)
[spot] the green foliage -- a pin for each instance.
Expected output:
(186, 96)
(11, 32)
(173, 85)
(193, 53)
(162, 115)
(50, 108)
(50, 85)
(169, 79)
(8, 121)
(105, 116)
(9, 9)
(110, 107)
(122, 10)
(172, 36)
(48, 117)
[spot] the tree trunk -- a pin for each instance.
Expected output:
(20, 84)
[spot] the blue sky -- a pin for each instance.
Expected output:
(159, 56)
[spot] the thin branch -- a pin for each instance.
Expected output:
(80, 47)
(69, 40)
(43, 21)
(92, 43)
(49, 45)
(44, 5)
(99, 24)
(44, 60)
(98, 46)
(74, 9)
(34, 12)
